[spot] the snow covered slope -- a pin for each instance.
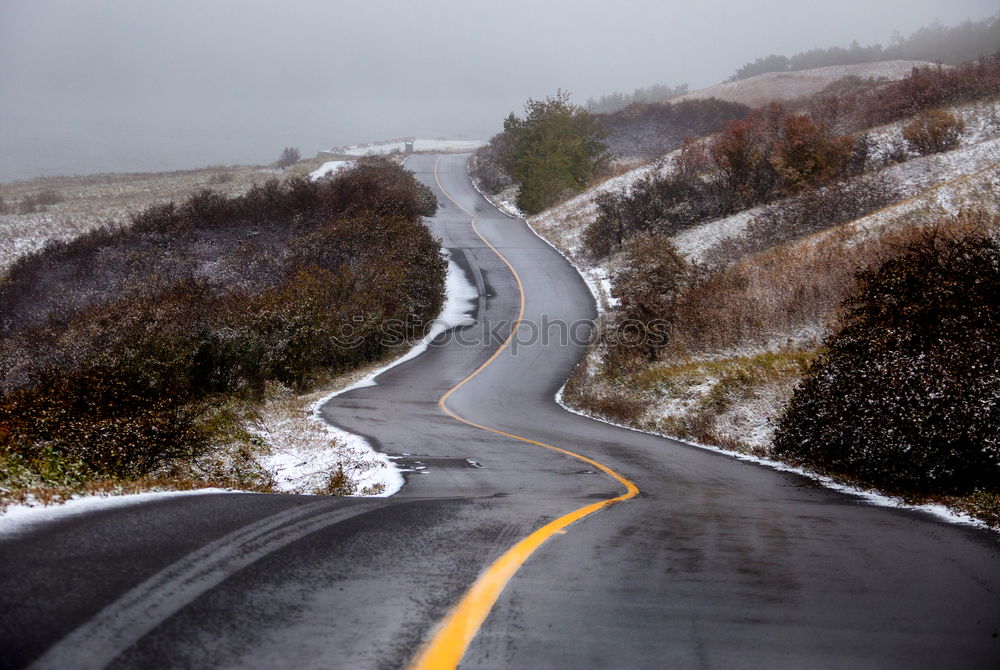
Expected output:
(786, 86)
(711, 388)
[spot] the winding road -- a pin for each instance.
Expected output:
(525, 537)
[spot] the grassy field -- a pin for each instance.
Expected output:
(86, 202)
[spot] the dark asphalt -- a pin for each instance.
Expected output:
(717, 564)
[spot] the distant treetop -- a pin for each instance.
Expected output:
(937, 43)
(612, 102)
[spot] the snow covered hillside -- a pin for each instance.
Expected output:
(730, 397)
(788, 86)
(952, 180)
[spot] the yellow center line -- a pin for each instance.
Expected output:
(454, 634)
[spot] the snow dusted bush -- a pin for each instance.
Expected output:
(114, 346)
(650, 130)
(648, 288)
(661, 204)
(488, 164)
(933, 131)
(907, 393)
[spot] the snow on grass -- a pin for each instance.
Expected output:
(938, 184)
(372, 470)
(399, 146)
(106, 199)
(21, 518)
(505, 201)
(943, 185)
(330, 168)
(784, 86)
(982, 122)
(695, 242)
(305, 456)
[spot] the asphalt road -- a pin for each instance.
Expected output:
(715, 564)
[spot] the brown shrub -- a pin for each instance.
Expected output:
(904, 395)
(925, 88)
(933, 131)
(648, 287)
(807, 155)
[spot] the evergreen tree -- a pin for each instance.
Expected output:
(289, 157)
(555, 150)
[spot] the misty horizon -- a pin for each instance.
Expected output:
(106, 86)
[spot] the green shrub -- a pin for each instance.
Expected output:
(555, 150)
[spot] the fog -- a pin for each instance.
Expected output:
(123, 85)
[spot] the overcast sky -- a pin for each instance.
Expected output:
(89, 85)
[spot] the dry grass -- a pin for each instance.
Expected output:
(788, 86)
(788, 295)
(94, 200)
(730, 402)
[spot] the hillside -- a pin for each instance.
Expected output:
(767, 281)
(789, 86)
(184, 348)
